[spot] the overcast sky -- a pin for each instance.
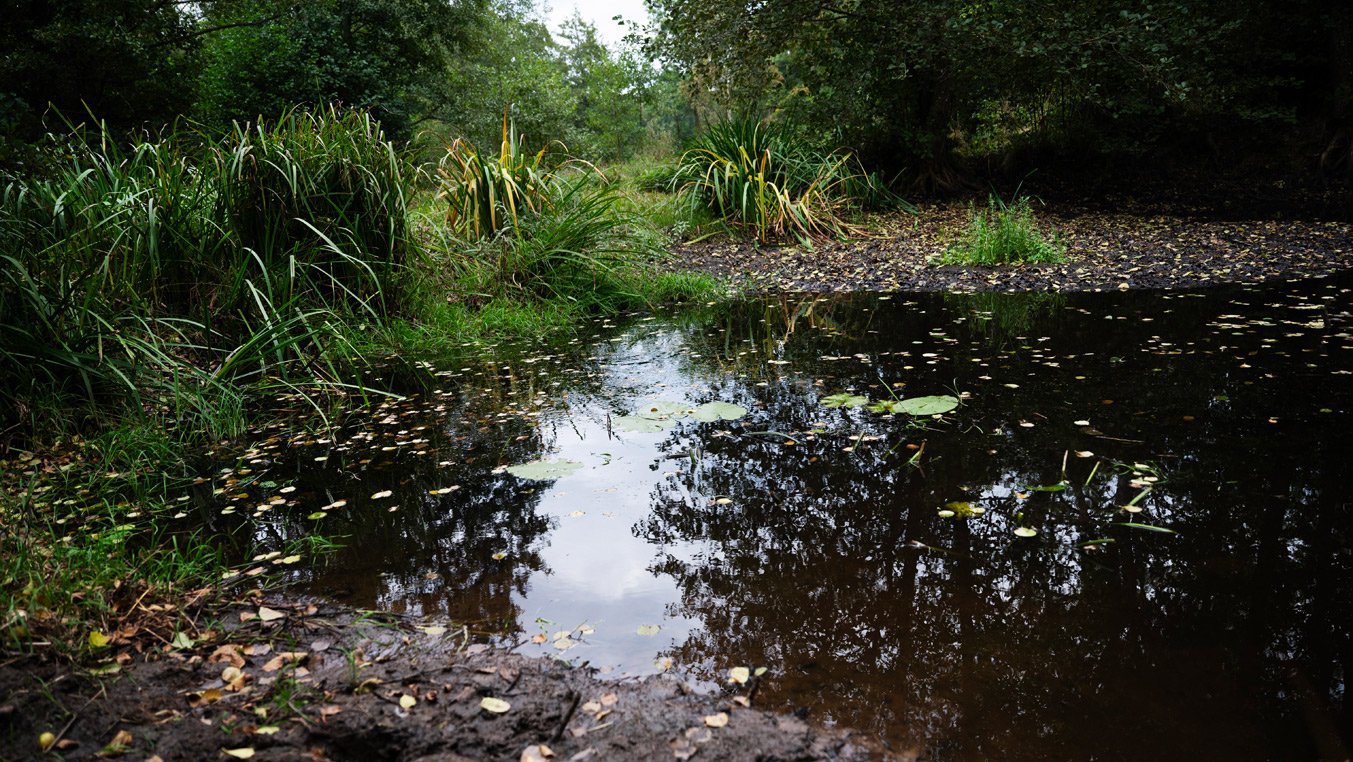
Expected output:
(600, 13)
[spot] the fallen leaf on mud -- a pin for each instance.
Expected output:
(742, 701)
(266, 730)
(285, 658)
(203, 698)
(538, 753)
(121, 740)
(233, 678)
(434, 630)
(609, 699)
(591, 707)
(98, 639)
(739, 675)
(182, 642)
(495, 705)
(329, 710)
(716, 720)
(382, 494)
(407, 702)
(228, 653)
(245, 752)
(268, 615)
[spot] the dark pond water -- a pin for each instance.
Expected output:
(810, 540)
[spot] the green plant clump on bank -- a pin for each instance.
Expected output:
(762, 179)
(1004, 234)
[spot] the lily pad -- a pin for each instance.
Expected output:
(940, 403)
(641, 424)
(845, 400)
(662, 409)
(887, 406)
(544, 470)
(718, 411)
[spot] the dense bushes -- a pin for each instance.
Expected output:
(761, 178)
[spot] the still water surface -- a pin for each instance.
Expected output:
(1188, 593)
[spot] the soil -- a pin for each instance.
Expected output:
(1105, 251)
(320, 682)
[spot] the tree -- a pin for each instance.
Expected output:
(384, 55)
(930, 84)
(129, 62)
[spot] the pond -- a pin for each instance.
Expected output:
(1130, 540)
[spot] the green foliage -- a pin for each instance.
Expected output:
(486, 195)
(760, 177)
(941, 84)
(323, 192)
(383, 56)
(1004, 234)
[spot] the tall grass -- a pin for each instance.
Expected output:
(1004, 233)
(761, 178)
(182, 267)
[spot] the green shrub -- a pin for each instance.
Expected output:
(487, 195)
(761, 178)
(322, 195)
(1004, 234)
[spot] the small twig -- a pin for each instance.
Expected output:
(568, 715)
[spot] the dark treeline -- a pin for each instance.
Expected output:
(952, 89)
(948, 93)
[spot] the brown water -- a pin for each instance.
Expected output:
(809, 540)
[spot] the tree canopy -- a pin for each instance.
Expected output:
(931, 83)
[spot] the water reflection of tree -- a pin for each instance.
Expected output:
(434, 554)
(835, 569)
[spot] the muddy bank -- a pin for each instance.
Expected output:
(1106, 252)
(294, 680)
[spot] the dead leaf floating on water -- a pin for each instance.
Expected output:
(739, 675)
(648, 629)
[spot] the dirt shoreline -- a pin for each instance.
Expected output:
(324, 682)
(1106, 252)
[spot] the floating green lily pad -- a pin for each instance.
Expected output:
(662, 409)
(641, 424)
(718, 411)
(544, 470)
(940, 403)
(845, 400)
(887, 406)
